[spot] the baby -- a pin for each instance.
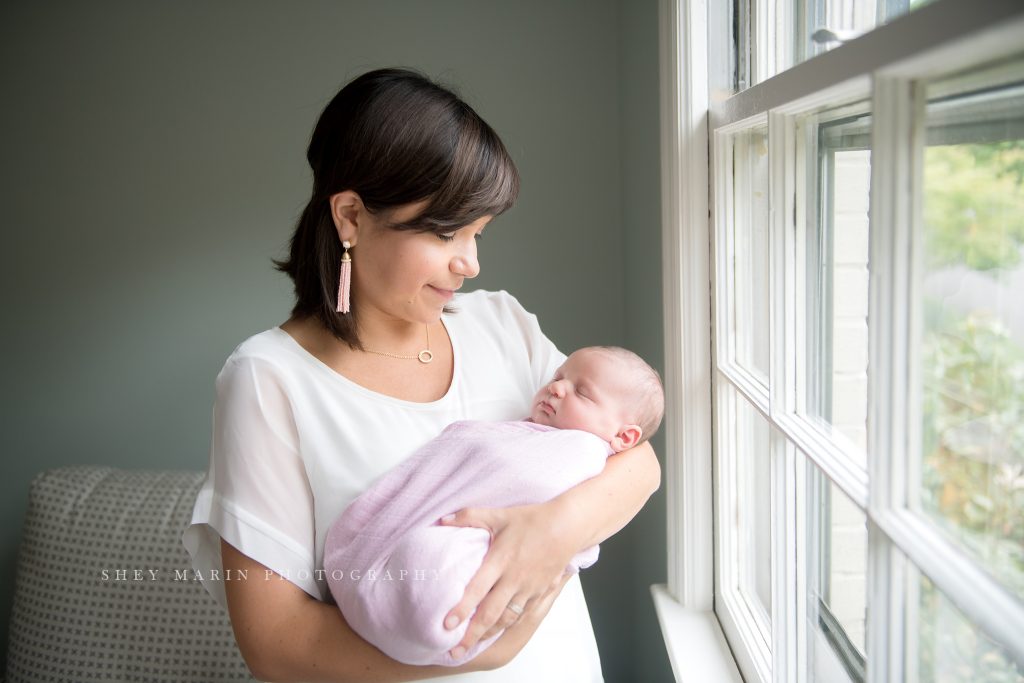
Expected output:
(607, 391)
(395, 573)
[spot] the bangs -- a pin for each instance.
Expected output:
(481, 181)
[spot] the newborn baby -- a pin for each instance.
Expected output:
(395, 573)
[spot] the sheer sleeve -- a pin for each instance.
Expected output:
(256, 495)
(545, 358)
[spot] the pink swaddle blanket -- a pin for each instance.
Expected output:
(395, 573)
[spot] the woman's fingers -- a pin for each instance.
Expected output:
(475, 592)
(491, 569)
(544, 602)
(516, 635)
(492, 610)
(558, 585)
(515, 609)
(510, 617)
(522, 533)
(481, 518)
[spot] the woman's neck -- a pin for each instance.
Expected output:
(392, 335)
(376, 332)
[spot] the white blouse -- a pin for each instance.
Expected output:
(294, 442)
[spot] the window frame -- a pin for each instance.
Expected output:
(685, 605)
(889, 61)
(901, 536)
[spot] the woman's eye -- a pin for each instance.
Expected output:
(446, 236)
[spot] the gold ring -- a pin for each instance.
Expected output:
(515, 608)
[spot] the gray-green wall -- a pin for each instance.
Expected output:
(153, 165)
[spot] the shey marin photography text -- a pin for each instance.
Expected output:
(137, 574)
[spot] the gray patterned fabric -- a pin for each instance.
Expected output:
(75, 618)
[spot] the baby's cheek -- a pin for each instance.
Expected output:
(567, 419)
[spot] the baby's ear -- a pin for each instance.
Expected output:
(627, 437)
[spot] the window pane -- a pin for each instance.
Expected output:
(948, 647)
(754, 503)
(824, 25)
(838, 159)
(837, 581)
(972, 356)
(743, 528)
(830, 23)
(766, 48)
(750, 250)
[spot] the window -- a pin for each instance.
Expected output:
(836, 599)
(864, 462)
(774, 36)
(970, 413)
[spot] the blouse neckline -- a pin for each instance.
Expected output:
(456, 367)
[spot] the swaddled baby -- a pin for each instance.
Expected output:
(395, 573)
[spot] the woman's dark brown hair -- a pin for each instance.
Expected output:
(393, 137)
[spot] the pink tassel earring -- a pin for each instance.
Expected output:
(345, 281)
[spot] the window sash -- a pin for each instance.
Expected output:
(887, 62)
(696, 83)
(742, 617)
(902, 41)
(902, 534)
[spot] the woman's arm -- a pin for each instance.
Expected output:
(600, 507)
(532, 545)
(284, 634)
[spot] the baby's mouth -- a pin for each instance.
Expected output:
(546, 408)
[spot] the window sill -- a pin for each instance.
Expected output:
(696, 647)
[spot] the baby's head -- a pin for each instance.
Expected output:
(604, 390)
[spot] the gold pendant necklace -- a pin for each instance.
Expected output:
(424, 356)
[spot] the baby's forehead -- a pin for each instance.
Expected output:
(596, 354)
(603, 366)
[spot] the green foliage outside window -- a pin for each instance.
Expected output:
(954, 652)
(974, 439)
(973, 398)
(974, 205)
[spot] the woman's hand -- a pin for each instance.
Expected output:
(505, 648)
(524, 566)
(532, 544)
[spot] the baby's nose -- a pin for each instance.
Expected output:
(557, 389)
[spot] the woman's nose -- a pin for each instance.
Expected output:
(465, 262)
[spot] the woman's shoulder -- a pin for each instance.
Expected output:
(265, 343)
(267, 349)
(497, 319)
(499, 305)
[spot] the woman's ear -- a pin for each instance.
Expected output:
(346, 211)
(627, 437)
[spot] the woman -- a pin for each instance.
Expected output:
(379, 355)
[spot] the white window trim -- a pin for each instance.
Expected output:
(691, 630)
(687, 305)
(898, 533)
(742, 616)
(696, 647)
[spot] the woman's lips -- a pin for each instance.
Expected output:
(445, 294)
